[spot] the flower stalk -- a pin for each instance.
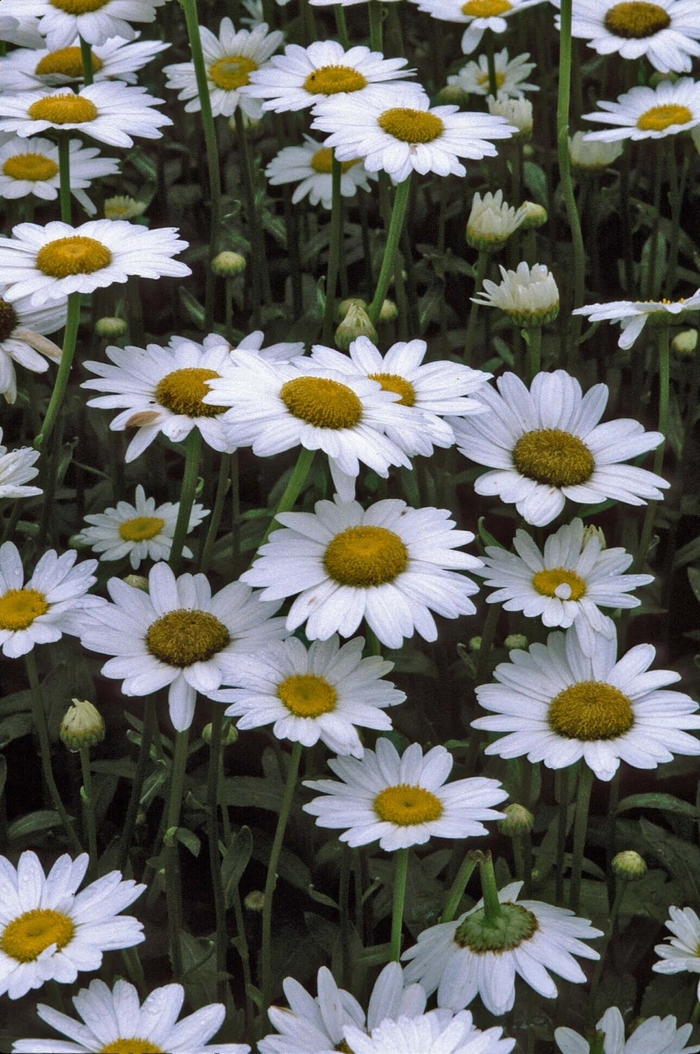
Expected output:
(398, 214)
(400, 878)
(583, 801)
(173, 889)
(333, 250)
(70, 337)
(190, 477)
(459, 885)
(89, 810)
(213, 783)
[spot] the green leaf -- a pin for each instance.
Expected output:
(191, 306)
(486, 536)
(536, 182)
(687, 553)
(189, 839)
(694, 579)
(199, 969)
(43, 820)
(3, 773)
(253, 792)
(15, 727)
(681, 858)
(665, 802)
(236, 859)
(321, 898)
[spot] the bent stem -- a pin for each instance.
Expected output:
(392, 239)
(459, 885)
(70, 337)
(333, 249)
(400, 877)
(173, 890)
(583, 801)
(89, 810)
(189, 485)
(293, 488)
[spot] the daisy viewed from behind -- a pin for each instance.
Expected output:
(23, 340)
(403, 800)
(660, 1035)
(61, 21)
(30, 166)
(17, 468)
(24, 69)
(648, 113)
(633, 315)
(311, 166)
(545, 445)
(479, 15)
(511, 76)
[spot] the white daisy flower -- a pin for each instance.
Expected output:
(388, 565)
(48, 263)
(566, 584)
(142, 531)
(402, 800)
(665, 31)
(230, 59)
(437, 1032)
(648, 113)
(312, 1026)
(458, 959)
(22, 339)
(302, 77)
(406, 138)
(322, 693)
(633, 315)
(559, 705)
(114, 1019)
(30, 166)
(24, 68)
(61, 21)
(660, 1035)
(311, 166)
(517, 112)
(177, 634)
(102, 111)
(431, 390)
(682, 950)
(19, 30)
(511, 76)
(53, 601)
(492, 221)
(479, 15)
(592, 156)
(528, 296)
(16, 469)
(49, 931)
(545, 445)
(253, 342)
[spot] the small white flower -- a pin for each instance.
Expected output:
(16, 469)
(24, 69)
(528, 296)
(517, 112)
(60, 21)
(403, 800)
(492, 221)
(682, 950)
(633, 315)
(311, 166)
(479, 15)
(22, 329)
(511, 76)
(437, 1032)
(649, 113)
(30, 166)
(592, 156)
(656, 1034)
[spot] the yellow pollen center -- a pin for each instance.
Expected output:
(406, 805)
(67, 108)
(365, 556)
(330, 80)
(636, 19)
(306, 695)
(547, 582)
(590, 710)
(658, 118)
(8, 319)
(411, 126)
(182, 392)
(551, 456)
(232, 72)
(78, 7)
(500, 79)
(34, 167)
(31, 933)
(131, 1046)
(73, 255)
(486, 8)
(322, 161)
(141, 528)
(344, 1048)
(67, 61)
(183, 637)
(19, 608)
(322, 402)
(393, 382)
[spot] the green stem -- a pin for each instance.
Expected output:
(228, 307)
(59, 389)
(375, 12)
(244, 952)
(190, 476)
(583, 801)
(341, 25)
(86, 55)
(254, 231)
(664, 394)
(173, 890)
(491, 63)
(392, 239)
(333, 251)
(675, 196)
(344, 905)
(271, 880)
(394, 32)
(695, 1016)
(217, 512)
(309, 20)
(89, 810)
(132, 810)
(293, 488)
(482, 266)
(217, 717)
(400, 876)
(64, 177)
(459, 885)
(42, 729)
(561, 794)
(489, 889)
(534, 352)
(609, 933)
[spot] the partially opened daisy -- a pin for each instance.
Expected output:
(24, 69)
(511, 75)
(403, 800)
(115, 1019)
(389, 564)
(177, 635)
(17, 468)
(311, 166)
(437, 1032)
(229, 60)
(479, 15)
(48, 263)
(464, 958)
(30, 166)
(660, 1035)
(649, 113)
(666, 32)
(528, 296)
(545, 445)
(681, 952)
(492, 221)
(49, 931)
(559, 705)
(140, 531)
(319, 693)
(633, 315)
(566, 584)
(23, 340)
(60, 21)
(414, 136)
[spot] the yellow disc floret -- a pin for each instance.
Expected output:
(486, 8)
(322, 161)
(66, 61)
(330, 80)
(19, 608)
(636, 19)
(31, 166)
(131, 1046)
(65, 108)
(141, 528)
(406, 804)
(365, 557)
(322, 402)
(232, 72)
(78, 7)
(554, 457)
(74, 255)
(659, 118)
(547, 582)
(307, 695)
(393, 382)
(182, 392)
(411, 126)
(183, 637)
(591, 710)
(31, 933)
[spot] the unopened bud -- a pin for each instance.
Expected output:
(475, 644)
(629, 865)
(137, 582)
(82, 726)
(517, 112)
(534, 215)
(355, 324)
(389, 311)
(124, 208)
(227, 264)
(110, 328)
(591, 531)
(516, 642)
(684, 343)
(519, 820)
(452, 95)
(255, 900)
(352, 301)
(76, 542)
(656, 78)
(229, 735)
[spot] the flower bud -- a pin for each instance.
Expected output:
(475, 644)
(516, 642)
(82, 726)
(684, 343)
(491, 222)
(388, 312)
(534, 215)
(345, 305)
(517, 112)
(227, 264)
(229, 734)
(355, 324)
(528, 296)
(519, 820)
(110, 328)
(255, 900)
(591, 531)
(452, 95)
(629, 865)
(137, 582)
(124, 208)
(656, 78)
(592, 154)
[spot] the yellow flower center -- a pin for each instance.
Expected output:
(591, 710)
(554, 457)
(34, 167)
(322, 402)
(8, 319)
(486, 8)
(344, 1048)
(411, 126)
(78, 7)
(19, 608)
(547, 582)
(500, 79)
(68, 61)
(232, 71)
(636, 19)
(658, 118)
(365, 556)
(183, 637)
(322, 161)
(406, 805)
(73, 255)
(131, 1046)
(393, 382)
(67, 108)
(306, 695)
(329, 80)
(182, 392)
(31, 933)
(141, 528)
